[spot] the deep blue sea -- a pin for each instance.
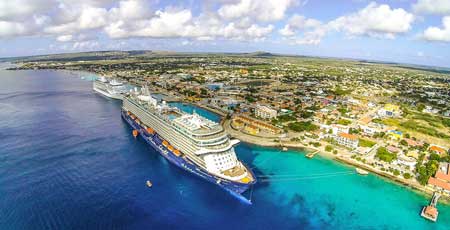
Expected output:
(68, 161)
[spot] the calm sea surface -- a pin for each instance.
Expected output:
(68, 161)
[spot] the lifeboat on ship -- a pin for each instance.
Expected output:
(150, 130)
(177, 152)
(135, 133)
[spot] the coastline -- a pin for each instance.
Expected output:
(269, 142)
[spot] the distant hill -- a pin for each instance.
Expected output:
(114, 55)
(82, 56)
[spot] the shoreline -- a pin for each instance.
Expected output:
(268, 142)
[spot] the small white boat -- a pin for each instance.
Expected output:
(285, 149)
(361, 171)
(149, 184)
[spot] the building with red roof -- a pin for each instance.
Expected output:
(441, 179)
(348, 140)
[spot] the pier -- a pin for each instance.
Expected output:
(430, 212)
(312, 154)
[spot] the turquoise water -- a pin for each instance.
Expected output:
(189, 108)
(68, 161)
(323, 197)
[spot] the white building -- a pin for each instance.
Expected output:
(265, 112)
(367, 130)
(347, 140)
(339, 129)
(406, 161)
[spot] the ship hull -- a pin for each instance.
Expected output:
(234, 188)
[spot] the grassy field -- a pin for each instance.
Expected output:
(427, 127)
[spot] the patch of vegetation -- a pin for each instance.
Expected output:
(302, 126)
(328, 148)
(413, 125)
(250, 99)
(426, 170)
(384, 155)
(341, 92)
(396, 172)
(344, 122)
(366, 143)
(407, 176)
(286, 118)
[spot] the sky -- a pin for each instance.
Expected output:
(405, 31)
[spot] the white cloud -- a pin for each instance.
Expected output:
(438, 34)
(297, 23)
(164, 24)
(64, 38)
(439, 7)
(10, 29)
(265, 11)
(20, 9)
(313, 37)
(375, 20)
(132, 9)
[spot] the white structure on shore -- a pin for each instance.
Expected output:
(347, 140)
(265, 112)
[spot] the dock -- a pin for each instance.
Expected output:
(312, 154)
(430, 212)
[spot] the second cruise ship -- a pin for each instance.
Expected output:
(189, 141)
(112, 89)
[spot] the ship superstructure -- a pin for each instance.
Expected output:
(112, 89)
(190, 141)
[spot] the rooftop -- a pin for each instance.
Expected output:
(348, 136)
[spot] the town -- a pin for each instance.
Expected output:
(390, 119)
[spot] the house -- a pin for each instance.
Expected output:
(265, 112)
(406, 161)
(395, 135)
(389, 110)
(348, 140)
(368, 130)
(437, 150)
(413, 143)
(262, 126)
(414, 154)
(339, 129)
(251, 129)
(441, 180)
(393, 149)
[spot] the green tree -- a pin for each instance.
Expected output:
(384, 155)
(403, 142)
(407, 176)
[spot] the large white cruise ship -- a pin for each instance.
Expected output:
(189, 141)
(112, 89)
